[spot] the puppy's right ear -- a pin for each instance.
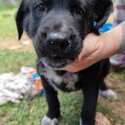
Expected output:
(19, 20)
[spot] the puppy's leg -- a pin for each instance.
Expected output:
(53, 113)
(90, 91)
(106, 92)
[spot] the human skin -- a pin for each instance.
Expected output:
(98, 47)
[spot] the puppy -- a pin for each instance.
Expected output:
(57, 29)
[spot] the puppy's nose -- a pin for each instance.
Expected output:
(57, 41)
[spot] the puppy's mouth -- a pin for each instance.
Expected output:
(55, 61)
(57, 57)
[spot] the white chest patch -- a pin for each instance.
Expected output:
(69, 79)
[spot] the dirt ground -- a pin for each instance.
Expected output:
(15, 44)
(117, 82)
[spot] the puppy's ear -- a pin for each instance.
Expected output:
(19, 19)
(102, 10)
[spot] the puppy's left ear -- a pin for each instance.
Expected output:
(102, 10)
(19, 19)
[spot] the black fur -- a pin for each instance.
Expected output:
(57, 28)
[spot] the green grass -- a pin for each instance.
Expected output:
(11, 61)
(31, 112)
(1, 4)
(7, 24)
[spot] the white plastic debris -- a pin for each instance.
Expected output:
(14, 87)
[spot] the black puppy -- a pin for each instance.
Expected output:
(57, 28)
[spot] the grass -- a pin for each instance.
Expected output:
(30, 112)
(7, 23)
(12, 60)
(25, 112)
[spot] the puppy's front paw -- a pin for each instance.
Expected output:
(47, 121)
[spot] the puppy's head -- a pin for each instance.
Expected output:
(58, 27)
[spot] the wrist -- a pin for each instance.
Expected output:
(122, 40)
(111, 41)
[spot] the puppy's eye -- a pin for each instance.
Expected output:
(79, 11)
(40, 8)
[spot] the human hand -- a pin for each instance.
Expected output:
(96, 48)
(91, 53)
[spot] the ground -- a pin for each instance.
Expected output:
(14, 54)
